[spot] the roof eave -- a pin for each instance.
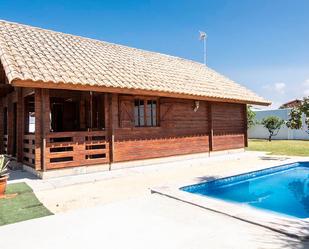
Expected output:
(82, 87)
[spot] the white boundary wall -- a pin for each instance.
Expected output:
(258, 131)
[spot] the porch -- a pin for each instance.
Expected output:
(50, 129)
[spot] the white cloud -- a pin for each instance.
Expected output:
(280, 87)
(306, 83)
(276, 92)
(282, 92)
(305, 87)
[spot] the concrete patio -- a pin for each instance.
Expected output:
(116, 209)
(74, 192)
(146, 222)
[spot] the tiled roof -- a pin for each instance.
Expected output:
(33, 54)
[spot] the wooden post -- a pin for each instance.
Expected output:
(210, 128)
(82, 115)
(111, 130)
(43, 146)
(10, 130)
(20, 125)
(91, 110)
(38, 130)
(45, 124)
(245, 126)
(1, 127)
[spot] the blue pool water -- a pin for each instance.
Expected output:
(283, 189)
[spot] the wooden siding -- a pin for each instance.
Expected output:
(28, 155)
(127, 150)
(181, 130)
(69, 149)
(228, 126)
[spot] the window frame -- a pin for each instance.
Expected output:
(145, 100)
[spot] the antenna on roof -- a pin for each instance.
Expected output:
(203, 37)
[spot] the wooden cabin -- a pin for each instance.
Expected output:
(69, 101)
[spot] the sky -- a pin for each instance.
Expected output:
(262, 44)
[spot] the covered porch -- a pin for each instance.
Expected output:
(50, 129)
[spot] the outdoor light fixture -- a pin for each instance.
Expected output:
(196, 105)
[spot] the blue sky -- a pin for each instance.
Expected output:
(262, 44)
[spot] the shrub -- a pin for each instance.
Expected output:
(273, 124)
(251, 115)
(4, 162)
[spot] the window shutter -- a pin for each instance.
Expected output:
(166, 113)
(126, 111)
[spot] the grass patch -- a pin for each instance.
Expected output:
(24, 206)
(280, 147)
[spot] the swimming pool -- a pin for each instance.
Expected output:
(282, 189)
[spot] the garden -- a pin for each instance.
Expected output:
(298, 119)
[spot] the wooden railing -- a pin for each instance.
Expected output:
(5, 144)
(29, 149)
(71, 149)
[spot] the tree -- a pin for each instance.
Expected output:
(251, 115)
(273, 125)
(295, 121)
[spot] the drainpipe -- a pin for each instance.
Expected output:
(210, 127)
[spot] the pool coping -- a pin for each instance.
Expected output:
(287, 225)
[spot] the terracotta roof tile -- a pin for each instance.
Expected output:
(29, 53)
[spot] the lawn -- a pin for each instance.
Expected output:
(280, 147)
(24, 206)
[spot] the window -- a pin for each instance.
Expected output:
(151, 115)
(95, 118)
(65, 114)
(145, 112)
(139, 118)
(29, 114)
(77, 111)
